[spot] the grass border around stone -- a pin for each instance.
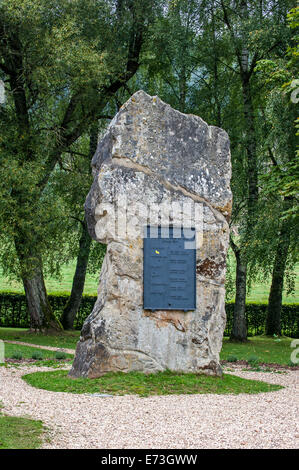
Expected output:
(144, 385)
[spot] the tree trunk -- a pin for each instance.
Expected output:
(41, 313)
(218, 120)
(182, 89)
(246, 68)
(275, 296)
(239, 329)
(71, 309)
(250, 144)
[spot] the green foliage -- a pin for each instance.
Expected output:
(293, 21)
(37, 356)
(17, 355)
(68, 59)
(60, 355)
(137, 383)
(280, 176)
(232, 358)
(253, 360)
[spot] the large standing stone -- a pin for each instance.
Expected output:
(152, 153)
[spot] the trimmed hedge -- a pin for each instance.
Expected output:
(256, 319)
(14, 314)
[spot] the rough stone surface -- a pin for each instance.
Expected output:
(152, 153)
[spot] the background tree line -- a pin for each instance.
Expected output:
(69, 66)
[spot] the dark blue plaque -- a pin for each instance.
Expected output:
(169, 269)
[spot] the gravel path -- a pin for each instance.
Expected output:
(265, 420)
(49, 348)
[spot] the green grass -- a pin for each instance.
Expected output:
(55, 285)
(65, 339)
(20, 433)
(137, 383)
(27, 352)
(268, 350)
(258, 293)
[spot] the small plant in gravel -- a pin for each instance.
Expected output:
(60, 355)
(253, 360)
(38, 356)
(17, 355)
(256, 369)
(292, 364)
(232, 358)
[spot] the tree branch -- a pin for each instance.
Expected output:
(68, 135)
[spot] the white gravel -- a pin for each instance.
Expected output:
(266, 420)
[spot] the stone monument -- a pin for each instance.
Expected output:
(156, 165)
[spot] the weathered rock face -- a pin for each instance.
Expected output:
(153, 154)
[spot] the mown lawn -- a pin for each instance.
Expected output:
(27, 352)
(137, 383)
(65, 339)
(268, 350)
(258, 293)
(55, 285)
(20, 433)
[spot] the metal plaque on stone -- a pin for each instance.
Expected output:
(169, 268)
